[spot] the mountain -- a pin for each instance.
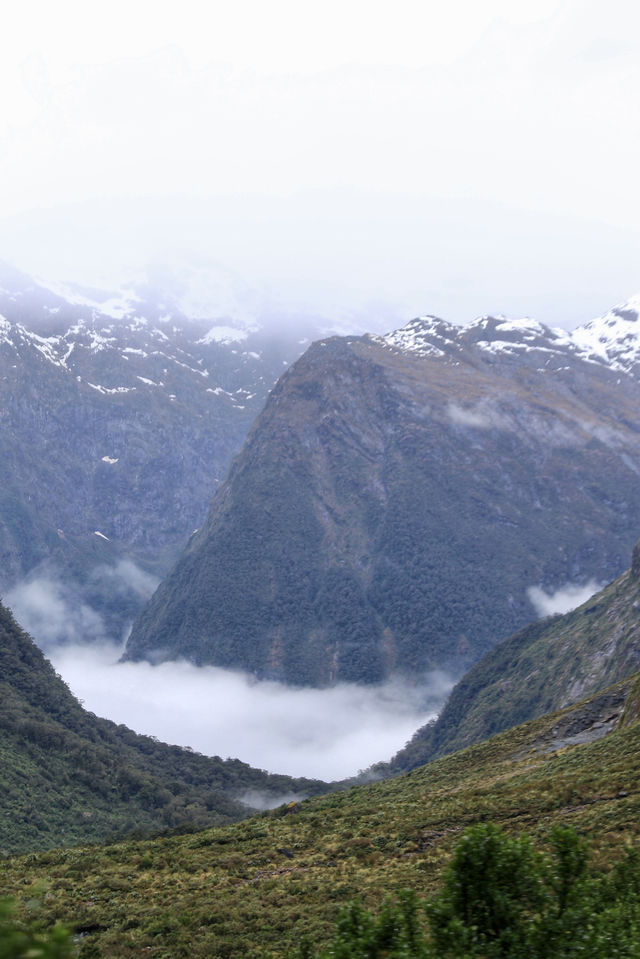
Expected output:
(399, 496)
(120, 412)
(546, 666)
(69, 777)
(261, 886)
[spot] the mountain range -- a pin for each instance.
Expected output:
(401, 498)
(401, 503)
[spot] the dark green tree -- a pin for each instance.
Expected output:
(493, 889)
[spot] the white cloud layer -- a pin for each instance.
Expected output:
(327, 734)
(563, 600)
(44, 609)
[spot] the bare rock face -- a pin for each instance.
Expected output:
(397, 498)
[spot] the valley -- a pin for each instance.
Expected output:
(320, 480)
(387, 516)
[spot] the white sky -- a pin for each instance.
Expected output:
(454, 158)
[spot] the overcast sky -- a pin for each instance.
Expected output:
(455, 158)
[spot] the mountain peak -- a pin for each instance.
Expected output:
(344, 544)
(424, 335)
(613, 338)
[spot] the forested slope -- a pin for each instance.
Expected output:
(67, 776)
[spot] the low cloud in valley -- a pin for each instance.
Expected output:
(45, 608)
(54, 609)
(563, 600)
(329, 734)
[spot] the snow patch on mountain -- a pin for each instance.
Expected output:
(424, 336)
(107, 390)
(117, 305)
(148, 382)
(223, 334)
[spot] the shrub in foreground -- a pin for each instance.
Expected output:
(501, 899)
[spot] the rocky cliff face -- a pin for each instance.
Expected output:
(399, 495)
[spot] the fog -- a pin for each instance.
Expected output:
(457, 159)
(328, 734)
(339, 253)
(563, 600)
(44, 609)
(55, 611)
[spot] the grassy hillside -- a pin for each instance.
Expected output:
(261, 884)
(545, 666)
(67, 776)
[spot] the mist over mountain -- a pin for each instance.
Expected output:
(399, 497)
(331, 734)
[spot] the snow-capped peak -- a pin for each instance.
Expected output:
(613, 338)
(425, 336)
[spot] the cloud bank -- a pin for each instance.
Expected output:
(328, 734)
(44, 609)
(367, 163)
(563, 600)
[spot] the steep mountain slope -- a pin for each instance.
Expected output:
(398, 496)
(67, 776)
(545, 666)
(257, 887)
(119, 416)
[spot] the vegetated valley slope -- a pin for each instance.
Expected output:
(547, 665)
(256, 888)
(119, 416)
(399, 495)
(67, 776)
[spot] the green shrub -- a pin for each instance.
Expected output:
(501, 899)
(17, 941)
